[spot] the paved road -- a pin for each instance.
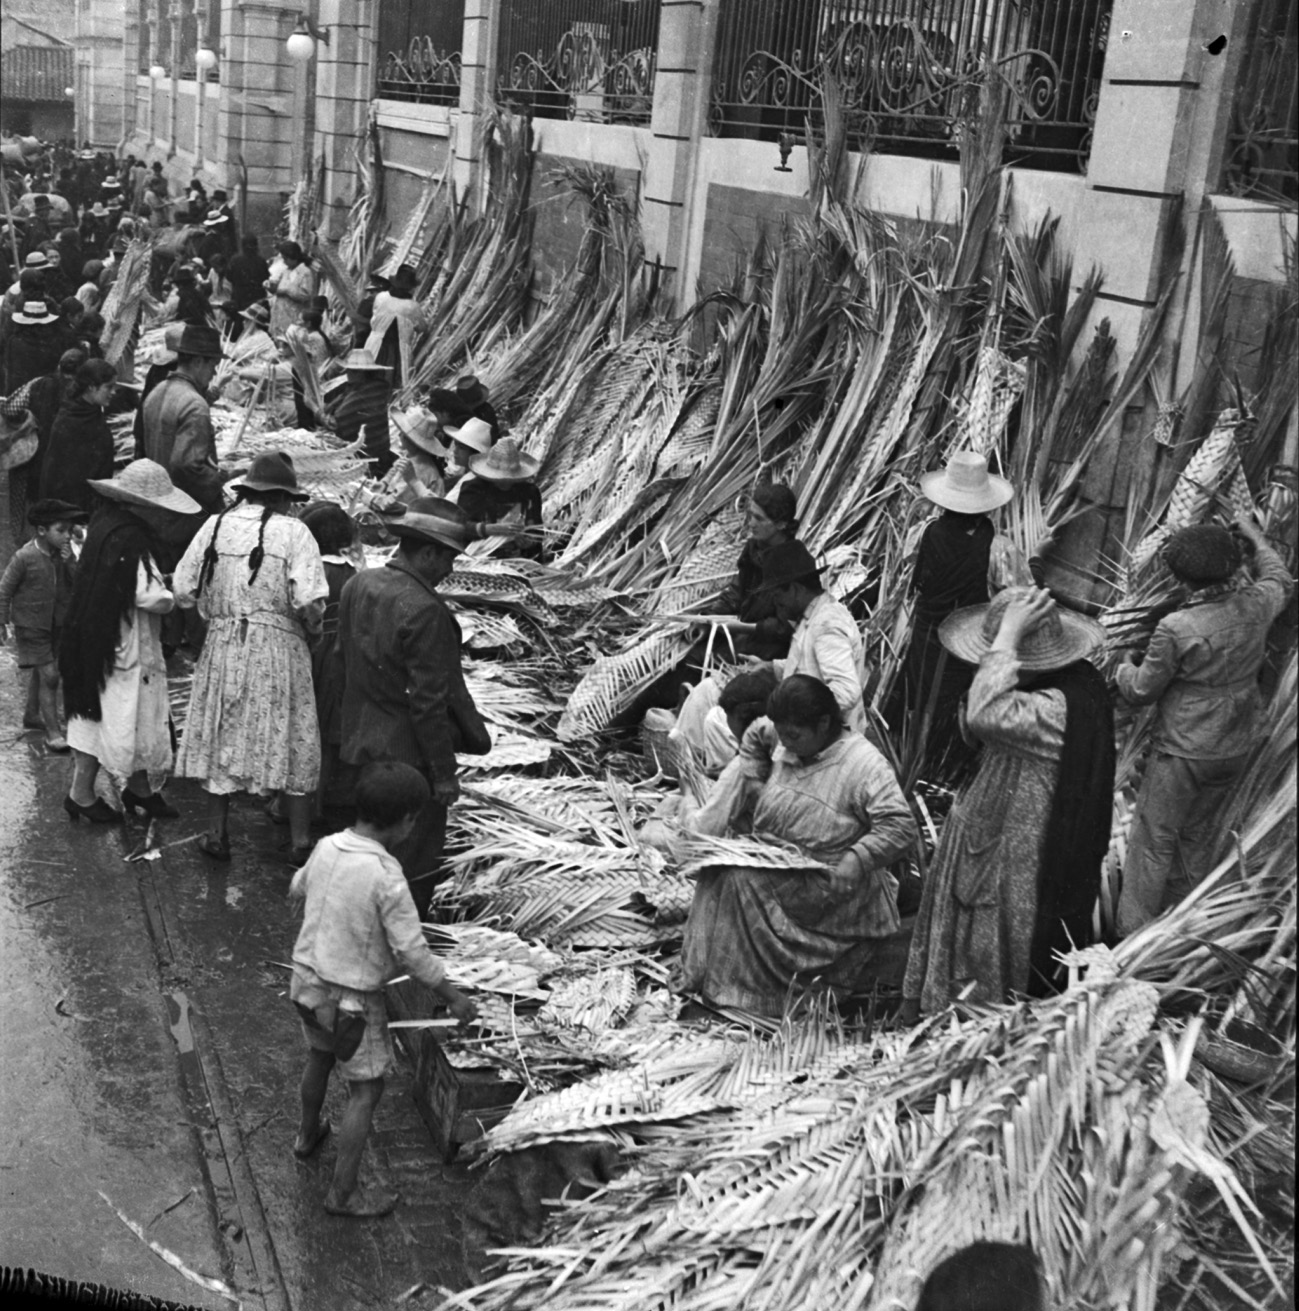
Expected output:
(148, 1051)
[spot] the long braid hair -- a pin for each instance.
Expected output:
(271, 503)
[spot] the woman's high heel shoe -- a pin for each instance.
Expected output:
(98, 812)
(155, 805)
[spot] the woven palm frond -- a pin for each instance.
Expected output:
(702, 854)
(612, 682)
(122, 305)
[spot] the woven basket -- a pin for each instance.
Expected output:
(1237, 1060)
(658, 748)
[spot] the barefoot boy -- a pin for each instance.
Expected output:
(359, 930)
(34, 595)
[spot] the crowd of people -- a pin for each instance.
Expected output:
(319, 683)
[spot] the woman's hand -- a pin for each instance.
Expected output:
(1021, 616)
(849, 867)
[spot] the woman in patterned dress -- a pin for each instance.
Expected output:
(255, 574)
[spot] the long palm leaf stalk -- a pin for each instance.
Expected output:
(126, 297)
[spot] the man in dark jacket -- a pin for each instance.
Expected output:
(247, 272)
(404, 694)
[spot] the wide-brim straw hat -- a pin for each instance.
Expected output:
(474, 433)
(99, 209)
(34, 311)
(361, 360)
(145, 482)
(430, 519)
(257, 313)
(273, 471)
(420, 429)
(1061, 638)
(214, 218)
(966, 486)
(505, 462)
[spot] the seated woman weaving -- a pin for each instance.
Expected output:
(755, 935)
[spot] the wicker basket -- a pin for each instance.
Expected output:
(657, 746)
(1240, 1061)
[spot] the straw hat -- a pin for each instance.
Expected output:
(273, 471)
(144, 482)
(97, 210)
(966, 486)
(215, 217)
(790, 562)
(473, 433)
(1061, 638)
(419, 428)
(361, 360)
(38, 259)
(257, 313)
(504, 462)
(18, 440)
(430, 519)
(34, 311)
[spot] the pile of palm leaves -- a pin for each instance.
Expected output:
(825, 1168)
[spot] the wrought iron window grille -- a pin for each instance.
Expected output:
(422, 74)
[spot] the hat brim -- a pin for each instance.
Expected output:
(430, 445)
(962, 634)
(367, 368)
(936, 488)
(176, 501)
(257, 485)
(527, 467)
(406, 526)
(482, 443)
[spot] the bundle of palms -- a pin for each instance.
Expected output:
(125, 299)
(302, 209)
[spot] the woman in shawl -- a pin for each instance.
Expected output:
(395, 321)
(254, 572)
(1018, 868)
(111, 662)
(754, 935)
(772, 520)
(80, 449)
(44, 397)
(961, 562)
(292, 285)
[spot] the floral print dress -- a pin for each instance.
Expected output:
(251, 725)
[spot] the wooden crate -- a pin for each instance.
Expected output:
(456, 1105)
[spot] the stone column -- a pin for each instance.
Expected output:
(256, 127)
(345, 76)
(1160, 111)
(687, 34)
(477, 94)
(174, 61)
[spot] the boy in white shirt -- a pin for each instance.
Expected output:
(359, 930)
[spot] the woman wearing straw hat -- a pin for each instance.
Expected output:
(420, 468)
(35, 340)
(1017, 871)
(111, 661)
(501, 489)
(952, 569)
(255, 574)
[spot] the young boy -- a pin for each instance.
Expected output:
(34, 596)
(359, 930)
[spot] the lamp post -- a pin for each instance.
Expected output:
(204, 59)
(302, 45)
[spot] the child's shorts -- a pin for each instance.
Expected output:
(36, 646)
(374, 1057)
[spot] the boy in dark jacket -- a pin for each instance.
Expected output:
(34, 596)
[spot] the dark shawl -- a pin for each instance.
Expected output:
(102, 597)
(1078, 826)
(952, 566)
(80, 448)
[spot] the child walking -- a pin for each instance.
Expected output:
(359, 929)
(34, 596)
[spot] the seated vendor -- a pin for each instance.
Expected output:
(361, 409)
(261, 373)
(420, 465)
(754, 935)
(468, 438)
(772, 521)
(500, 489)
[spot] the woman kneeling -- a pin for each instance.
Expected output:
(754, 935)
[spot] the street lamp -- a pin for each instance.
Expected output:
(205, 58)
(156, 71)
(301, 43)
